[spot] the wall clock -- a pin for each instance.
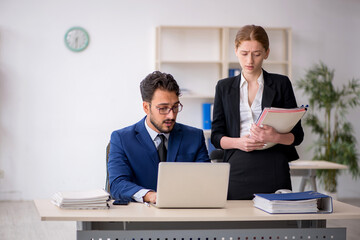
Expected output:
(76, 39)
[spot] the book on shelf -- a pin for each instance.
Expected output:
(92, 199)
(299, 202)
(234, 72)
(207, 115)
(282, 119)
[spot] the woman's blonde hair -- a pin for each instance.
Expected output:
(252, 32)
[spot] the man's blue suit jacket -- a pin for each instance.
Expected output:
(133, 158)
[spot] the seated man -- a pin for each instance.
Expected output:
(135, 151)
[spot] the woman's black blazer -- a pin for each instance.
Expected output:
(278, 92)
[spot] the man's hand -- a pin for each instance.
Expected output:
(150, 197)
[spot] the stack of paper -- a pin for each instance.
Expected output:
(94, 199)
(301, 202)
(282, 119)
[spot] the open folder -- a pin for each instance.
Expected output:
(300, 202)
(282, 119)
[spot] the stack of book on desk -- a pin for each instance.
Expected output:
(94, 199)
(300, 202)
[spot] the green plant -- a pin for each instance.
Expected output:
(327, 119)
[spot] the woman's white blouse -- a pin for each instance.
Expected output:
(249, 114)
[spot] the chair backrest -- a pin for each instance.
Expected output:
(107, 184)
(217, 155)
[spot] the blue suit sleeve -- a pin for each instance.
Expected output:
(120, 172)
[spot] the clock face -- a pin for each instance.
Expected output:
(76, 39)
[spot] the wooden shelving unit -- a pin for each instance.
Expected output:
(200, 56)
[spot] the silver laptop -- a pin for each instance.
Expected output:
(192, 185)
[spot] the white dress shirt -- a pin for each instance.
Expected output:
(154, 136)
(249, 114)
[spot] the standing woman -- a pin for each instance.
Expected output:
(238, 102)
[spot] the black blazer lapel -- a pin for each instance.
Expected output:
(234, 106)
(269, 92)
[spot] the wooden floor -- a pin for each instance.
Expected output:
(20, 220)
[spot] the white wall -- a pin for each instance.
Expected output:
(58, 108)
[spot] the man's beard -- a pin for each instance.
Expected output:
(159, 127)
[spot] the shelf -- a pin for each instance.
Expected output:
(198, 57)
(188, 62)
(265, 62)
(195, 96)
(276, 62)
(208, 46)
(188, 44)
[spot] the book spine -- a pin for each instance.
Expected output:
(206, 110)
(234, 72)
(262, 116)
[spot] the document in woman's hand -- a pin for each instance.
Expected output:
(283, 120)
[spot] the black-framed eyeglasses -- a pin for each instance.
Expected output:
(166, 110)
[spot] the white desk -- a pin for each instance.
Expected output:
(307, 170)
(238, 220)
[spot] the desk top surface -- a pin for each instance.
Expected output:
(138, 212)
(315, 164)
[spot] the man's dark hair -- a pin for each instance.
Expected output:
(157, 80)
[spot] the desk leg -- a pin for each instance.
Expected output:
(307, 175)
(312, 179)
(302, 184)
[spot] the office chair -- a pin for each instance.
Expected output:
(217, 155)
(107, 184)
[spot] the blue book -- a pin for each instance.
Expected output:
(234, 72)
(206, 110)
(299, 202)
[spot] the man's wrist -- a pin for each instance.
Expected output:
(139, 195)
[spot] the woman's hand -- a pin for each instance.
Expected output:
(244, 143)
(264, 133)
(248, 144)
